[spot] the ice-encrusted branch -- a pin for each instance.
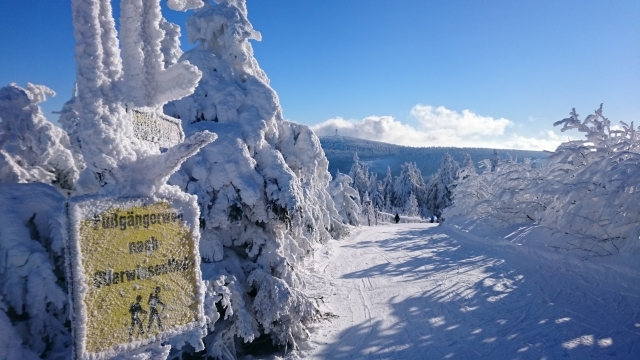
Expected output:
(147, 82)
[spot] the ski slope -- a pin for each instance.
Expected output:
(419, 291)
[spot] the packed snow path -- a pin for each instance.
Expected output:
(418, 291)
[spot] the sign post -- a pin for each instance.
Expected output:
(135, 273)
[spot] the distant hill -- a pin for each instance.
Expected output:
(378, 155)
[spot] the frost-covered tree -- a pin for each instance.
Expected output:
(411, 207)
(261, 187)
(409, 181)
(367, 210)
(495, 160)
(346, 199)
(377, 196)
(441, 185)
(584, 190)
(467, 169)
(31, 148)
(360, 175)
(34, 308)
(387, 191)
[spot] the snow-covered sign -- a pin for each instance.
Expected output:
(157, 128)
(135, 271)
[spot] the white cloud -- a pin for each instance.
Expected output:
(379, 128)
(465, 124)
(441, 127)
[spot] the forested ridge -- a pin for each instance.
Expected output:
(378, 155)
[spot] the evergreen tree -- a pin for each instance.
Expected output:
(360, 175)
(468, 168)
(411, 207)
(377, 197)
(387, 191)
(367, 210)
(346, 199)
(441, 186)
(495, 159)
(409, 181)
(262, 186)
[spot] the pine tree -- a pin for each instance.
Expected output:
(468, 168)
(495, 160)
(440, 187)
(262, 186)
(411, 207)
(377, 197)
(346, 199)
(409, 181)
(388, 191)
(360, 175)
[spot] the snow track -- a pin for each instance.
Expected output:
(418, 291)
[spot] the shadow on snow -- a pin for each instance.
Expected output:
(454, 301)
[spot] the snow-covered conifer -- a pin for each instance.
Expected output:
(441, 185)
(34, 306)
(387, 190)
(467, 169)
(495, 160)
(261, 187)
(346, 199)
(411, 207)
(377, 196)
(360, 176)
(409, 181)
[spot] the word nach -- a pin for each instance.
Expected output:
(142, 246)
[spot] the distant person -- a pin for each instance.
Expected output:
(136, 311)
(397, 218)
(432, 219)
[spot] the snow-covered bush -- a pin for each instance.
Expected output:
(261, 187)
(31, 148)
(34, 308)
(586, 189)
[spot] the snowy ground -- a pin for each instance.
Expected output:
(418, 291)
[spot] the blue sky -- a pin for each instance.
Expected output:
(389, 70)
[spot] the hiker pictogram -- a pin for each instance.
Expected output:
(155, 302)
(136, 311)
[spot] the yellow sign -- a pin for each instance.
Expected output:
(139, 270)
